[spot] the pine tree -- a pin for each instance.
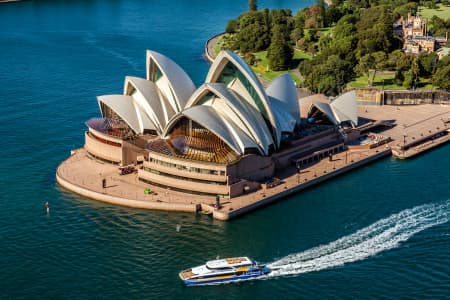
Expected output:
(279, 52)
(252, 6)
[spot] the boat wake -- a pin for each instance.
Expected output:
(383, 235)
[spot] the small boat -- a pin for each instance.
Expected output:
(224, 271)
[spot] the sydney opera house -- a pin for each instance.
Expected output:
(223, 138)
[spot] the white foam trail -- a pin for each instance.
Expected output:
(91, 40)
(383, 235)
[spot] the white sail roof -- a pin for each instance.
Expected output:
(286, 120)
(245, 83)
(176, 85)
(146, 95)
(232, 103)
(345, 108)
(127, 109)
(283, 90)
(342, 109)
(222, 126)
(229, 104)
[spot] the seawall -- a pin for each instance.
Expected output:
(209, 47)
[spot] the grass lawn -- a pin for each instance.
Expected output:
(380, 80)
(321, 31)
(261, 69)
(218, 46)
(442, 12)
(387, 82)
(301, 55)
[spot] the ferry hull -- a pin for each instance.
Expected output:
(230, 279)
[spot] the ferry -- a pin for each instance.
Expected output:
(223, 271)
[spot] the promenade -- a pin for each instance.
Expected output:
(76, 174)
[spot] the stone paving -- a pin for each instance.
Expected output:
(411, 120)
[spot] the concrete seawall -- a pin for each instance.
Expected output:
(209, 47)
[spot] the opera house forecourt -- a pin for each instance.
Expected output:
(225, 146)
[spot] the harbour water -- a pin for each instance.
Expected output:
(381, 231)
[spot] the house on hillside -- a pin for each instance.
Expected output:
(413, 30)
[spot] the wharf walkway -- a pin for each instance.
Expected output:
(76, 174)
(294, 182)
(418, 128)
(429, 142)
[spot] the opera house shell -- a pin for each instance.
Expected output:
(219, 139)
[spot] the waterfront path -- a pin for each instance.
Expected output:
(209, 47)
(76, 175)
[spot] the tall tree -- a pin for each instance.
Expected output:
(252, 6)
(366, 63)
(375, 30)
(440, 78)
(254, 31)
(299, 27)
(280, 52)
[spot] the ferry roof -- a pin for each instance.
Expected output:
(229, 262)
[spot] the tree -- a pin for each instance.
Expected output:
(332, 15)
(415, 70)
(393, 58)
(254, 31)
(375, 30)
(380, 59)
(440, 78)
(252, 6)
(280, 52)
(408, 79)
(327, 74)
(403, 64)
(439, 26)
(299, 27)
(232, 26)
(427, 63)
(366, 63)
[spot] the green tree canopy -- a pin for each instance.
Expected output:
(280, 52)
(232, 26)
(375, 30)
(441, 78)
(254, 31)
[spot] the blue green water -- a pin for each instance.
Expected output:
(379, 232)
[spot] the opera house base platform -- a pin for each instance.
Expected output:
(76, 174)
(415, 129)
